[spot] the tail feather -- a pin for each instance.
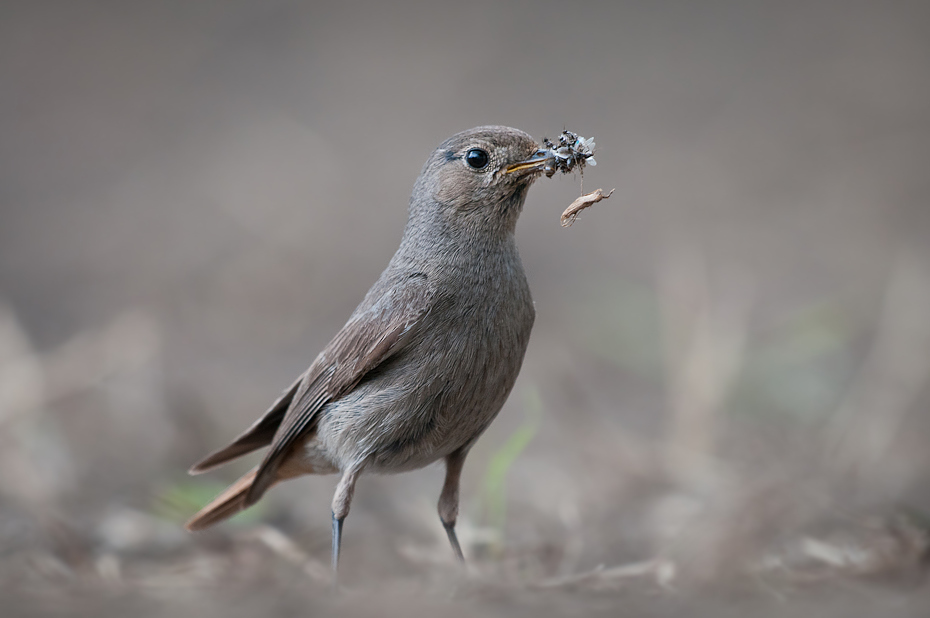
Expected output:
(228, 453)
(225, 505)
(259, 435)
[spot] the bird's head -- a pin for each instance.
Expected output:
(480, 177)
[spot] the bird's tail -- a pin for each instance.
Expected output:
(225, 505)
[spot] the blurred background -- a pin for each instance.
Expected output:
(725, 401)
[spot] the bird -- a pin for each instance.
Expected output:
(427, 359)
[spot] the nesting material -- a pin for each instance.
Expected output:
(586, 200)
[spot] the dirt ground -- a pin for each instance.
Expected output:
(724, 407)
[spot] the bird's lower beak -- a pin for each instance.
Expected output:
(536, 162)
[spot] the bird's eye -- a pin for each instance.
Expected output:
(476, 158)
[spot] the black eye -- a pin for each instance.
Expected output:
(476, 158)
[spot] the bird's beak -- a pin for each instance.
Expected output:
(536, 162)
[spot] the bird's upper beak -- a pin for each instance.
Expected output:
(537, 161)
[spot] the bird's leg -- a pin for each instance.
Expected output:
(341, 501)
(449, 499)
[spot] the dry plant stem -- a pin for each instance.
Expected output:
(863, 431)
(704, 331)
(582, 202)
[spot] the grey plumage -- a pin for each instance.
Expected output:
(428, 358)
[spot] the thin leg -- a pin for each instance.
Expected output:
(454, 541)
(449, 499)
(337, 542)
(341, 501)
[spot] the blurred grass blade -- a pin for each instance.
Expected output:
(494, 489)
(178, 501)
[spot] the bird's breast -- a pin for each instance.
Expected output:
(447, 385)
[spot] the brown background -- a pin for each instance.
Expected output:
(194, 196)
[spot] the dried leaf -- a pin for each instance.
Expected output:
(586, 200)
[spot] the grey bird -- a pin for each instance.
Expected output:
(428, 358)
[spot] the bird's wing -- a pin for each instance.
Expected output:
(371, 336)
